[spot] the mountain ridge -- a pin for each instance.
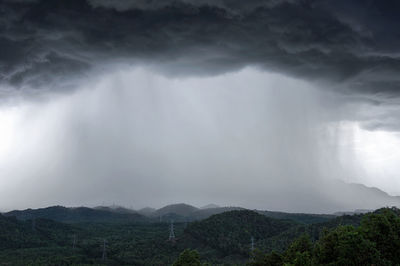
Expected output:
(76, 214)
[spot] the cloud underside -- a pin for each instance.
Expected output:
(349, 46)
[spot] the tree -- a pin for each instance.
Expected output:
(383, 228)
(345, 246)
(262, 259)
(188, 258)
(300, 251)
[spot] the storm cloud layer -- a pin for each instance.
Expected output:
(350, 46)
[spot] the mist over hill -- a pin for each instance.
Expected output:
(372, 198)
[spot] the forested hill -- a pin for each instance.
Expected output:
(374, 241)
(282, 241)
(231, 232)
(78, 215)
(176, 212)
(220, 239)
(304, 218)
(181, 209)
(16, 234)
(186, 213)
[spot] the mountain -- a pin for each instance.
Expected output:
(33, 234)
(221, 239)
(147, 211)
(187, 213)
(356, 197)
(116, 209)
(77, 215)
(205, 213)
(231, 232)
(358, 211)
(180, 209)
(184, 212)
(176, 212)
(304, 218)
(282, 241)
(210, 206)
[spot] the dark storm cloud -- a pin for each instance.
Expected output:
(349, 45)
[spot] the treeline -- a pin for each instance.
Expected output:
(375, 242)
(230, 234)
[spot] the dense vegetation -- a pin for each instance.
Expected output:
(45, 242)
(231, 232)
(375, 242)
(223, 238)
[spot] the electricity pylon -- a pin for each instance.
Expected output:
(104, 256)
(171, 232)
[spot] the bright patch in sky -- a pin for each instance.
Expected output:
(378, 153)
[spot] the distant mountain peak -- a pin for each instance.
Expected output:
(114, 208)
(147, 211)
(182, 209)
(210, 206)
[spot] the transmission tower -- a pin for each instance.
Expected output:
(252, 244)
(104, 256)
(74, 242)
(171, 232)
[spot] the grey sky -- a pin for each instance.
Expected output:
(254, 103)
